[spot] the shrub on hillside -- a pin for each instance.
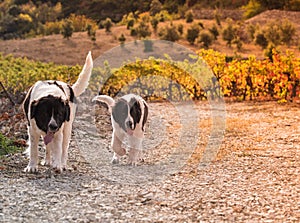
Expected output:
(133, 31)
(214, 31)
(279, 32)
(228, 33)
(67, 29)
(154, 23)
(80, 22)
(217, 17)
(130, 23)
(252, 9)
(53, 28)
(261, 40)
(182, 10)
(145, 17)
(169, 33)
(269, 51)
(180, 28)
(143, 30)
(189, 17)
(251, 30)
(206, 38)
(192, 33)
(107, 24)
(272, 33)
(163, 16)
(155, 7)
(238, 43)
(288, 32)
(91, 31)
(122, 39)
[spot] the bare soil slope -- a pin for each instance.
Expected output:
(70, 52)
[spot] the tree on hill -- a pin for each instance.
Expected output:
(169, 33)
(143, 30)
(107, 24)
(273, 4)
(228, 34)
(67, 29)
(193, 33)
(155, 7)
(206, 38)
(91, 31)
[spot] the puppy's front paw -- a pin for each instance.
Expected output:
(115, 160)
(30, 169)
(132, 163)
(134, 155)
(46, 163)
(57, 167)
(64, 165)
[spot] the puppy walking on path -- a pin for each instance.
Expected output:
(50, 107)
(128, 116)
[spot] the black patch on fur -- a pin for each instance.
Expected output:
(135, 111)
(42, 110)
(72, 95)
(120, 113)
(145, 115)
(26, 105)
(58, 85)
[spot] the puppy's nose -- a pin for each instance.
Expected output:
(53, 126)
(129, 124)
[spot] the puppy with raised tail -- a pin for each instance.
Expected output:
(50, 107)
(128, 116)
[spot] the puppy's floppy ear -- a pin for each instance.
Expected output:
(135, 110)
(67, 111)
(145, 115)
(33, 108)
(120, 113)
(26, 104)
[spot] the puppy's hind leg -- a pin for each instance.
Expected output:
(33, 150)
(116, 145)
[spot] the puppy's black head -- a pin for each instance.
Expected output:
(135, 111)
(120, 113)
(49, 113)
(127, 114)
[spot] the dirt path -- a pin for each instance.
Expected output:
(255, 178)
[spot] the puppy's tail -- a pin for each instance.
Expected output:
(84, 76)
(106, 99)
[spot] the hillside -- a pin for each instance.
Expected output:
(266, 16)
(56, 49)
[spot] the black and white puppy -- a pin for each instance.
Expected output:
(128, 116)
(50, 107)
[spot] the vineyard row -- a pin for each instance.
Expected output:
(242, 79)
